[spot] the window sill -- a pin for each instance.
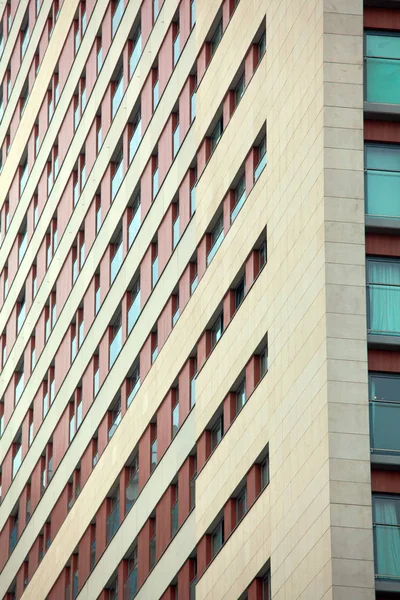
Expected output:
(380, 342)
(382, 224)
(385, 461)
(387, 586)
(378, 110)
(382, 3)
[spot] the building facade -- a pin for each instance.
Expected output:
(199, 305)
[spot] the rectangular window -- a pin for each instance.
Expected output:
(217, 538)
(174, 517)
(240, 197)
(155, 95)
(177, 48)
(115, 419)
(384, 395)
(116, 260)
(193, 200)
(132, 489)
(153, 452)
(118, 92)
(263, 362)
(23, 177)
(118, 176)
(193, 106)
(175, 419)
(382, 68)
(176, 232)
(97, 301)
(241, 505)
(382, 180)
(241, 396)
(240, 293)
(265, 473)
(116, 344)
(155, 10)
(217, 236)
(155, 182)
(134, 225)
(262, 256)
(22, 245)
(383, 289)
(216, 135)
(262, 46)
(99, 58)
(136, 53)
(216, 38)
(153, 550)
(239, 90)
(154, 269)
(134, 309)
(192, 14)
(96, 382)
(135, 385)
(262, 159)
(93, 555)
(117, 16)
(25, 40)
(386, 519)
(217, 433)
(176, 140)
(136, 137)
(217, 330)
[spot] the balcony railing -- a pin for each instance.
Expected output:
(134, 312)
(131, 585)
(382, 194)
(113, 522)
(387, 551)
(383, 316)
(215, 247)
(385, 421)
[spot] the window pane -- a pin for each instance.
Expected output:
(382, 181)
(383, 297)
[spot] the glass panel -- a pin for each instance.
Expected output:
(154, 272)
(175, 420)
(92, 555)
(45, 404)
(132, 490)
(115, 346)
(239, 294)
(176, 232)
(155, 183)
(134, 390)
(176, 140)
(260, 167)
(240, 197)
(215, 136)
(154, 354)
(192, 392)
(116, 261)
(263, 363)
(17, 462)
(134, 312)
(215, 247)
(192, 200)
(23, 179)
(175, 317)
(119, 92)
(153, 455)
(382, 46)
(134, 226)
(117, 179)
(194, 284)
(131, 584)
(177, 48)
(25, 41)
(135, 56)
(97, 300)
(239, 91)
(193, 107)
(135, 140)
(155, 9)
(382, 181)
(217, 539)
(216, 434)
(76, 584)
(241, 505)
(19, 388)
(217, 330)
(193, 13)
(152, 552)
(113, 522)
(192, 590)
(383, 297)
(14, 537)
(71, 428)
(387, 537)
(382, 80)
(73, 348)
(216, 38)
(241, 397)
(22, 247)
(155, 95)
(79, 415)
(99, 59)
(115, 423)
(21, 316)
(265, 473)
(96, 383)
(174, 519)
(76, 193)
(117, 16)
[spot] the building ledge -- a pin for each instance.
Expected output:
(388, 586)
(385, 461)
(382, 3)
(382, 225)
(378, 110)
(383, 342)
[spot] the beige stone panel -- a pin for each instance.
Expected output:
(352, 543)
(35, 35)
(343, 7)
(346, 349)
(343, 183)
(343, 73)
(348, 418)
(353, 573)
(344, 48)
(352, 593)
(35, 100)
(339, 137)
(242, 556)
(343, 117)
(345, 299)
(345, 392)
(146, 233)
(343, 515)
(351, 371)
(345, 24)
(178, 78)
(344, 232)
(349, 445)
(341, 253)
(350, 471)
(346, 326)
(339, 158)
(152, 492)
(170, 562)
(350, 492)
(345, 274)
(340, 209)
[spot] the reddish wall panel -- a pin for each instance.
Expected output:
(384, 360)
(381, 18)
(382, 245)
(165, 60)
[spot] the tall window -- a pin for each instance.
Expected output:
(383, 287)
(382, 180)
(386, 515)
(118, 91)
(216, 38)
(217, 538)
(382, 68)
(384, 396)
